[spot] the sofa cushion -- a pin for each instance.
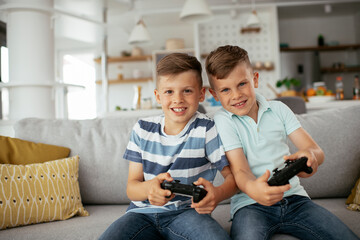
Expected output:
(100, 143)
(337, 132)
(18, 151)
(76, 228)
(39, 192)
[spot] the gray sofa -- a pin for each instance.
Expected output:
(100, 144)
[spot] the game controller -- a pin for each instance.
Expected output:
(196, 192)
(281, 177)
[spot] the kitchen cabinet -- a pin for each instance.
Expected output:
(338, 69)
(127, 59)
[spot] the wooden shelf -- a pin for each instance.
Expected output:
(322, 48)
(250, 30)
(127, 80)
(126, 59)
(263, 68)
(339, 70)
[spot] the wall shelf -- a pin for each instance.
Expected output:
(321, 48)
(340, 70)
(250, 30)
(126, 59)
(127, 80)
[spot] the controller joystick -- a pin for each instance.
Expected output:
(282, 177)
(196, 192)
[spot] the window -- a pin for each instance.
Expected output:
(80, 103)
(4, 92)
(4, 73)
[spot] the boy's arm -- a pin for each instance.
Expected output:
(307, 147)
(256, 188)
(140, 190)
(215, 194)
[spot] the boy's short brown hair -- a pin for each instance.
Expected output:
(176, 63)
(220, 62)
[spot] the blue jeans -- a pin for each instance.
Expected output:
(182, 224)
(295, 215)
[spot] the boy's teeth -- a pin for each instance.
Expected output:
(179, 109)
(239, 104)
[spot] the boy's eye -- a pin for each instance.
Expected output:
(242, 84)
(224, 90)
(187, 91)
(168, 91)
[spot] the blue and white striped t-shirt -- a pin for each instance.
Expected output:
(195, 152)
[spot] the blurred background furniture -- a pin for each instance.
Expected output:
(296, 104)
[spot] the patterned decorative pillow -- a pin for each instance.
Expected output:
(18, 151)
(40, 192)
(354, 198)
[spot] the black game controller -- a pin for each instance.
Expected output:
(281, 177)
(196, 192)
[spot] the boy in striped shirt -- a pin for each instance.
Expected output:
(182, 144)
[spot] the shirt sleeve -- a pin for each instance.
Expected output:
(213, 147)
(291, 123)
(133, 149)
(227, 131)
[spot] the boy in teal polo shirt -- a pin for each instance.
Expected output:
(254, 132)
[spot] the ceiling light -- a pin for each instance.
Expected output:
(253, 23)
(253, 20)
(139, 34)
(195, 11)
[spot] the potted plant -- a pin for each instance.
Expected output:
(289, 84)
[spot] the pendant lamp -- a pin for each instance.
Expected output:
(195, 11)
(139, 34)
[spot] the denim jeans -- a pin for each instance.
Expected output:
(182, 224)
(295, 215)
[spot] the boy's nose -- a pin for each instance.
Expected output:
(237, 94)
(178, 97)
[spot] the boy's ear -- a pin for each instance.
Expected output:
(157, 96)
(213, 93)
(202, 96)
(256, 79)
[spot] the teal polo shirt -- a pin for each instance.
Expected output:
(264, 143)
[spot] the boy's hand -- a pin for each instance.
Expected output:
(266, 195)
(210, 201)
(156, 195)
(311, 162)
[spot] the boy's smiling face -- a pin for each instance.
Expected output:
(236, 92)
(179, 96)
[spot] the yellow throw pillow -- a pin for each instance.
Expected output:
(41, 192)
(17, 151)
(354, 198)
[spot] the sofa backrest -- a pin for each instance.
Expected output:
(337, 132)
(101, 143)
